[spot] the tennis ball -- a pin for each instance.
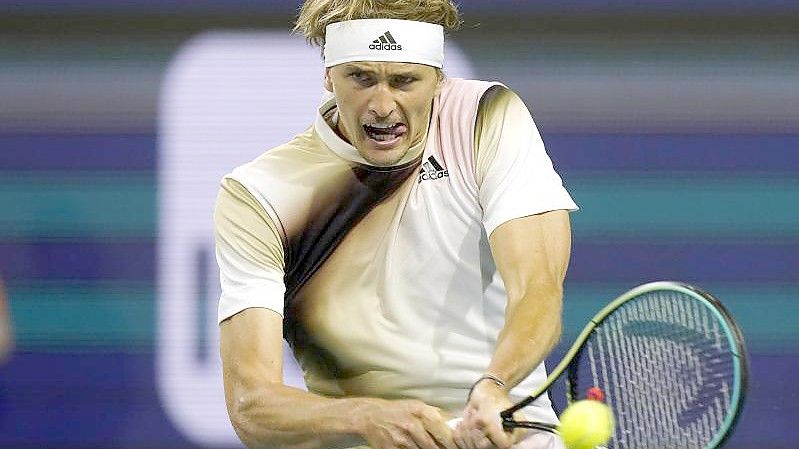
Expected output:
(586, 424)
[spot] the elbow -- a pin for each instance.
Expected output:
(240, 412)
(239, 423)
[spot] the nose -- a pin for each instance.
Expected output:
(382, 104)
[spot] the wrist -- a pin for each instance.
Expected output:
(361, 412)
(358, 408)
(487, 378)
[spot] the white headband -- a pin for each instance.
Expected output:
(389, 40)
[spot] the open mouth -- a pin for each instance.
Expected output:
(385, 132)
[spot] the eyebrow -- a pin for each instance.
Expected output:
(409, 72)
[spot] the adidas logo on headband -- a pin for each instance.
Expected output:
(385, 42)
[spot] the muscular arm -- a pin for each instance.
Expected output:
(266, 413)
(523, 197)
(532, 254)
(525, 211)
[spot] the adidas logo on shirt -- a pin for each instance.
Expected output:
(385, 42)
(432, 170)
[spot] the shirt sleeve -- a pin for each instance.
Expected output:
(513, 171)
(249, 252)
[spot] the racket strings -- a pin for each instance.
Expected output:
(666, 369)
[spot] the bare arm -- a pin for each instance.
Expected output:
(266, 413)
(263, 411)
(532, 254)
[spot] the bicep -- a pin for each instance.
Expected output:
(532, 252)
(251, 347)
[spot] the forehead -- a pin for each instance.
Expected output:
(388, 68)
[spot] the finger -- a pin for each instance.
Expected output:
(472, 437)
(485, 443)
(480, 440)
(487, 431)
(496, 434)
(417, 432)
(444, 441)
(440, 432)
(467, 430)
(457, 436)
(461, 435)
(499, 438)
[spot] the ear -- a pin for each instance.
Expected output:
(328, 81)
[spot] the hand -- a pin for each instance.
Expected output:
(403, 424)
(481, 426)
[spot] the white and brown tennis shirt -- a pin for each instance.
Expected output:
(384, 276)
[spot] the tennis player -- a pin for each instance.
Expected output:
(411, 246)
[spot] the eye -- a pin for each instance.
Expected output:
(361, 77)
(402, 80)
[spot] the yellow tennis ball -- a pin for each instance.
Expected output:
(586, 424)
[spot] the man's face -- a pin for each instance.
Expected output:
(383, 107)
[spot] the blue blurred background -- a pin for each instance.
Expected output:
(675, 125)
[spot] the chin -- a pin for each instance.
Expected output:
(384, 158)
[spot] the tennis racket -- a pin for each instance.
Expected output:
(671, 363)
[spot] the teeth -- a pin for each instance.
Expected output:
(381, 126)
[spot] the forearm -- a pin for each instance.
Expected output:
(532, 255)
(267, 414)
(278, 416)
(532, 328)
(264, 412)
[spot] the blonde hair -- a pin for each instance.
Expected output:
(315, 15)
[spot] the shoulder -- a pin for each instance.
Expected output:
(498, 107)
(301, 144)
(497, 95)
(499, 100)
(454, 89)
(459, 102)
(479, 98)
(283, 162)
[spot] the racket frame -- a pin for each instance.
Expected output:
(731, 330)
